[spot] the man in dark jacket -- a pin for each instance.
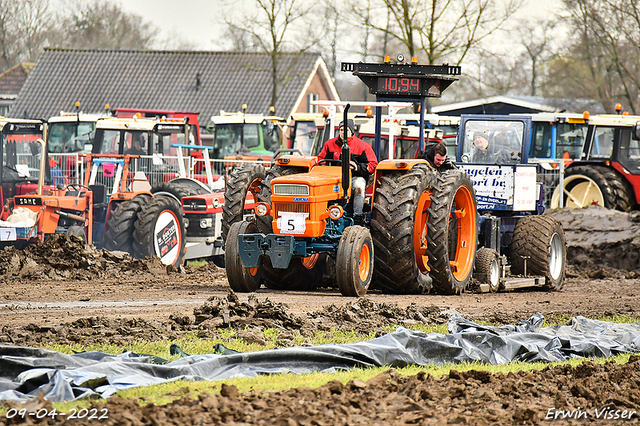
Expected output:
(436, 155)
(363, 162)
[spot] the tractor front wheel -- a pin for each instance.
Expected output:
(487, 269)
(241, 279)
(160, 232)
(354, 261)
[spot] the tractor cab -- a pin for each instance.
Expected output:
(22, 151)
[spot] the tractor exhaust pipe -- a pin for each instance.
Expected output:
(345, 157)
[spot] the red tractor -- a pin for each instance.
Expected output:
(607, 173)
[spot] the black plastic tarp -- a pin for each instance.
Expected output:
(27, 372)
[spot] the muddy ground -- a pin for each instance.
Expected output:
(64, 292)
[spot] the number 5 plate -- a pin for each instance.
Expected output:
(292, 223)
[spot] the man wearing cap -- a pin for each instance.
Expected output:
(363, 163)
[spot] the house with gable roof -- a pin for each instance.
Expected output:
(11, 81)
(197, 81)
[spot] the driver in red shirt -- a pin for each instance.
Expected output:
(363, 163)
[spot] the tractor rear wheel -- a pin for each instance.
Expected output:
(160, 231)
(354, 261)
(303, 274)
(398, 228)
(487, 268)
(241, 279)
(585, 185)
(453, 203)
(121, 224)
(539, 246)
(265, 222)
(236, 193)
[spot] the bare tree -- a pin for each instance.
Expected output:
(275, 28)
(102, 24)
(25, 28)
(438, 29)
(602, 61)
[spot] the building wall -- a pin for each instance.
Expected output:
(315, 87)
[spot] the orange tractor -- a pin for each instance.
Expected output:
(420, 227)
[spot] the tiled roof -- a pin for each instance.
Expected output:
(204, 82)
(11, 80)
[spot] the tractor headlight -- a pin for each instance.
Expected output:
(206, 223)
(335, 212)
(186, 223)
(262, 209)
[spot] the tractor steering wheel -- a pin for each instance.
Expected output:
(331, 161)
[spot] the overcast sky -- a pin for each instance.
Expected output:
(194, 20)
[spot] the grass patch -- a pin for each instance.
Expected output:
(191, 344)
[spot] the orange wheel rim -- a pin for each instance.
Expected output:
(467, 228)
(365, 262)
(253, 271)
(310, 262)
(420, 231)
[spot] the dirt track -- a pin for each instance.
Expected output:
(68, 293)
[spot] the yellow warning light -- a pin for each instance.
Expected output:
(586, 115)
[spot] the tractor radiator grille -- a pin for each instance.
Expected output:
(289, 189)
(291, 208)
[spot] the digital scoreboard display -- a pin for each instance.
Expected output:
(399, 86)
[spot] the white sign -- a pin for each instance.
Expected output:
(8, 234)
(525, 193)
(292, 223)
(493, 185)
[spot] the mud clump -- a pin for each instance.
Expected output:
(250, 319)
(62, 257)
(601, 241)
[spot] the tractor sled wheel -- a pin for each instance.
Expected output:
(265, 222)
(452, 210)
(487, 269)
(354, 261)
(121, 224)
(241, 279)
(539, 243)
(303, 274)
(177, 190)
(236, 193)
(586, 185)
(398, 229)
(160, 232)
(77, 231)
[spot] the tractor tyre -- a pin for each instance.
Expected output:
(398, 226)
(176, 191)
(241, 279)
(354, 261)
(585, 185)
(236, 192)
(487, 268)
(265, 222)
(77, 231)
(539, 246)
(160, 231)
(118, 235)
(452, 210)
(303, 274)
